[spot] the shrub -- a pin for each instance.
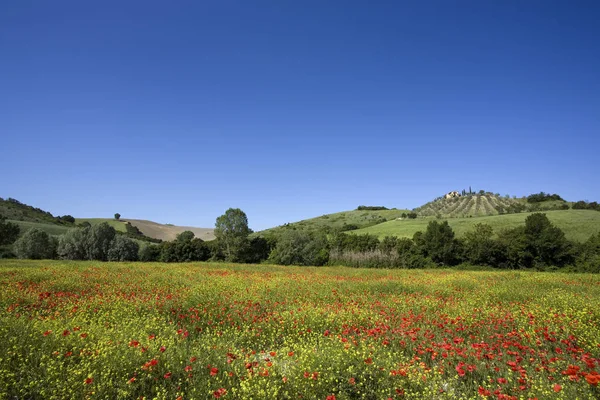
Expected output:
(71, 245)
(149, 253)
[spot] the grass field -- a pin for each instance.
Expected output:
(50, 229)
(578, 225)
(338, 220)
(81, 330)
(118, 225)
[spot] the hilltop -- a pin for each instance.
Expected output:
(486, 204)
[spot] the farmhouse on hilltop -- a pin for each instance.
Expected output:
(451, 195)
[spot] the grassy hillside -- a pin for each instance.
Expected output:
(15, 210)
(118, 225)
(578, 225)
(169, 232)
(343, 220)
(51, 229)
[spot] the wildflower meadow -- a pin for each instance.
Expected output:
(92, 330)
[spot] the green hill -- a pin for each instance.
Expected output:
(578, 225)
(14, 210)
(345, 220)
(118, 225)
(51, 229)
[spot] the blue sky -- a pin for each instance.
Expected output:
(176, 111)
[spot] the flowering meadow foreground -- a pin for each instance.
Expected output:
(75, 330)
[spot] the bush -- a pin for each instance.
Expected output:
(98, 241)
(35, 244)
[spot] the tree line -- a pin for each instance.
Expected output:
(538, 244)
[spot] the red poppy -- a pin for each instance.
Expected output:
(214, 371)
(167, 375)
(162, 349)
(369, 361)
(557, 388)
(593, 378)
(66, 332)
(330, 397)
(134, 343)
(291, 354)
(88, 381)
(272, 354)
(220, 392)
(188, 368)
(47, 333)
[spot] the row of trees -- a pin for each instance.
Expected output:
(538, 244)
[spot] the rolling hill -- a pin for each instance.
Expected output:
(345, 220)
(578, 225)
(152, 229)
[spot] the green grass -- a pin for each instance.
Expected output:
(338, 220)
(118, 225)
(578, 225)
(50, 229)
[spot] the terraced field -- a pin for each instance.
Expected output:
(465, 206)
(578, 225)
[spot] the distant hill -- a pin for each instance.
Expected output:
(344, 221)
(28, 217)
(578, 225)
(152, 229)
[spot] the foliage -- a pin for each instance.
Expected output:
(97, 241)
(541, 197)
(296, 247)
(149, 253)
(371, 208)
(438, 243)
(184, 249)
(480, 247)
(231, 231)
(9, 232)
(117, 216)
(123, 249)
(584, 205)
(185, 236)
(72, 245)
(35, 244)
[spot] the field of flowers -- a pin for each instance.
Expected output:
(77, 330)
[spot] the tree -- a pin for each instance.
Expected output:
(546, 242)
(9, 232)
(98, 240)
(123, 248)
(71, 245)
(149, 253)
(185, 236)
(295, 247)
(117, 216)
(439, 244)
(35, 244)
(480, 248)
(231, 231)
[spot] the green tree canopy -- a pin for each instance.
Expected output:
(9, 232)
(35, 244)
(231, 231)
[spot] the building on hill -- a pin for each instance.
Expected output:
(451, 195)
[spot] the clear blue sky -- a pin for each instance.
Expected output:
(176, 111)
